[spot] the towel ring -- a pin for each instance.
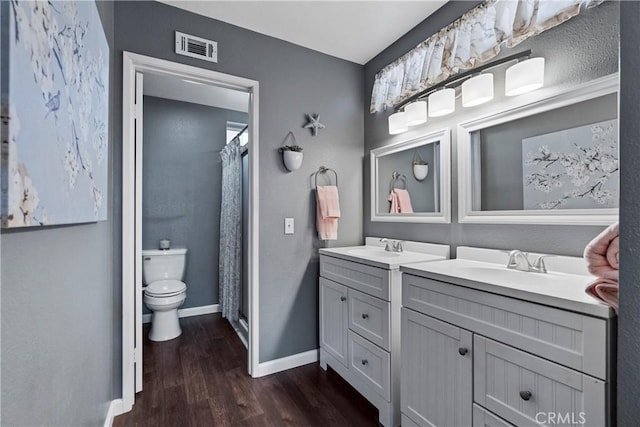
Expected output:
(323, 170)
(395, 177)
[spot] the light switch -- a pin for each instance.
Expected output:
(288, 226)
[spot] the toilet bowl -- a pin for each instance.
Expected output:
(165, 292)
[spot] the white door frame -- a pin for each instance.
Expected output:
(133, 63)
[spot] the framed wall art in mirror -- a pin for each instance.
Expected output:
(552, 161)
(411, 180)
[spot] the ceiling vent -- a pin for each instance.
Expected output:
(196, 47)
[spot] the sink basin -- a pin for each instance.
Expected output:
(499, 274)
(373, 252)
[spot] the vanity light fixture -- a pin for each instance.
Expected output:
(416, 113)
(523, 77)
(477, 90)
(398, 123)
(442, 102)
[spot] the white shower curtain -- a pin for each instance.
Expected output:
(230, 263)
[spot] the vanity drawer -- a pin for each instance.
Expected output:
(527, 390)
(571, 339)
(369, 317)
(484, 418)
(370, 364)
(370, 280)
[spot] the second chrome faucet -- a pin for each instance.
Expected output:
(393, 245)
(519, 260)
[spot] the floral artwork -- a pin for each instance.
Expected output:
(572, 169)
(55, 161)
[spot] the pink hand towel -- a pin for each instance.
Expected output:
(404, 200)
(329, 201)
(605, 290)
(395, 206)
(327, 212)
(601, 254)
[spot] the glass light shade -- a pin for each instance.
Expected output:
(477, 90)
(397, 123)
(524, 77)
(442, 102)
(416, 113)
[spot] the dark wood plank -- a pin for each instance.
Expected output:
(200, 379)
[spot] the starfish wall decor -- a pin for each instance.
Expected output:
(314, 123)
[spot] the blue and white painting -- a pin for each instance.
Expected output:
(58, 105)
(575, 168)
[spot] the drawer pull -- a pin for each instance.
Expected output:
(365, 316)
(463, 351)
(365, 362)
(525, 395)
(343, 299)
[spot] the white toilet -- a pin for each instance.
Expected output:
(162, 272)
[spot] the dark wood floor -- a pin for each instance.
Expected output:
(200, 379)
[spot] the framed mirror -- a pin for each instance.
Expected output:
(552, 161)
(411, 180)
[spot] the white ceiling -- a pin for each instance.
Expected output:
(181, 90)
(352, 30)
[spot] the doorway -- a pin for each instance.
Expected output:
(135, 67)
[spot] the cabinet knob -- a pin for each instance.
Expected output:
(463, 351)
(343, 299)
(365, 362)
(365, 316)
(525, 395)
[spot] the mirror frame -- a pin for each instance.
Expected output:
(442, 136)
(550, 101)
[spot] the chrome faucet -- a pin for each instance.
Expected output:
(393, 245)
(519, 260)
(388, 245)
(397, 246)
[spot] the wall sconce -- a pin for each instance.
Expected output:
(522, 77)
(477, 90)
(442, 102)
(397, 123)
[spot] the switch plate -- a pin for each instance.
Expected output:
(288, 226)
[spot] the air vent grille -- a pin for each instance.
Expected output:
(196, 47)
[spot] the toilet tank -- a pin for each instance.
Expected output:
(163, 265)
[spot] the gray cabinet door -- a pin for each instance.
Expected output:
(436, 383)
(334, 320)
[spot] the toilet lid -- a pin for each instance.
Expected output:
(166, 288)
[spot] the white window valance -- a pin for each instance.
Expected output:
(472, 39)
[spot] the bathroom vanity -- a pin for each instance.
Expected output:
(484, 345)
(360, 299)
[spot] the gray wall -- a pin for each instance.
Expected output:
(181, 193)
(293, 81)
(584, 48)
(421, 192)
(629, 313)
(501, 150)
(58, 317)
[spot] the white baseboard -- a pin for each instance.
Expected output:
(115, 408)
(289, 362)
(188, 312)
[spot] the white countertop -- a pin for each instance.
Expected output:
(377, 257)
(556, 289)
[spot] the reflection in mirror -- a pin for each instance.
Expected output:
(410, 180)
(555, 160)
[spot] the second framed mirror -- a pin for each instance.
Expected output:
(411, 180)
